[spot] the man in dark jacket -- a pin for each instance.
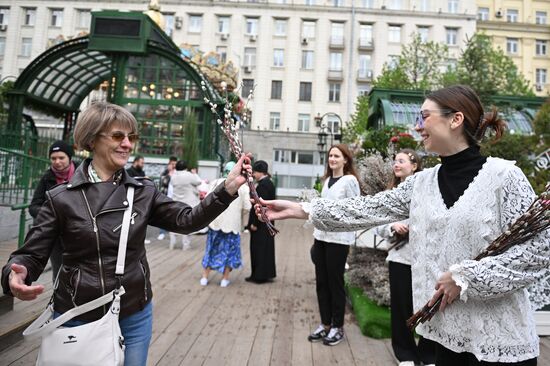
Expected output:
(262, 244)
(136, 170)
(61, 170)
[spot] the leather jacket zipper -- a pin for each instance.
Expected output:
(75, 285)
(132, 222)
(144, 279)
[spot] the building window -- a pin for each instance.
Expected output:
(252, 26)
(307, 60)
(452, 6)
(333, 124)
(393, 61)
(308, 29)
(195, 24)
(278, 57)
(223, 24)
(29, 16)
(248, 86)
(222, 52)
(365, 34)
(424, 5)
(2, 45)
(512, 15)
(56, 19)
(84, 18)
(369, 4)
(336, 33)
(335, 61)
(423, 33)
(334, 92)
(250, 56)
(310, 2)
(482, 13)
(540, 47)
(4, 16)
(363, 90)
(512, 45)
(26, 47)
(276, 89)
(337, 3)
(364, 66)
(169, 23)
(394, 33)
(540, 76)
(280, 27)
(395, 4)
(540, 17)
(303, 123)
(452, 36)
(305, 91)
(275, 121)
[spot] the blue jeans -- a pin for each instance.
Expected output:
(136, 330)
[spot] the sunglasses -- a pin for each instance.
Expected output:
(425, 113)
(119, 136)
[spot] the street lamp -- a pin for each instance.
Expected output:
(324, 131)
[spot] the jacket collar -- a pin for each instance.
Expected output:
(80, 177)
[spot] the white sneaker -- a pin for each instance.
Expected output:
(147, 241)
(224, 283)
(406, 363)
(204, 281)
(161, 236)
(430, 364)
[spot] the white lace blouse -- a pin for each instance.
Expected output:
(494, 317)
(401, 255)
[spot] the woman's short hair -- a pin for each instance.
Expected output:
(100, 117)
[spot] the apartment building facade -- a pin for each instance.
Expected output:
(522, 30)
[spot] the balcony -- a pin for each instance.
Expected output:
(336, 43)
(364, 75)
(335, 75)
(366, 44)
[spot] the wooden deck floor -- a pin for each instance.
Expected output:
(243, 324)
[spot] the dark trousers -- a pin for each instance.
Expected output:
(446, 357)
(402, 339)
(330, 263)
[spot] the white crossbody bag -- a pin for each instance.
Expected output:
(96, 343)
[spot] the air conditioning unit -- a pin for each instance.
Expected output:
(224, 36)
(253, 38)
(3, 27)
(179, 22)
(499, 14)
(538, 87)
(304, 41)
(247, 69)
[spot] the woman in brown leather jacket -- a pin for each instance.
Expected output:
(86, 215)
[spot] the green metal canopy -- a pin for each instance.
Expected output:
(401, 107)
(140, 68)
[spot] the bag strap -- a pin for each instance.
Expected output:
(43, 325)
(121, 258)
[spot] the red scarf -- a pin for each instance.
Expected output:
(64, 175)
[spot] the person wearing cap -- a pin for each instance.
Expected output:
(262, 244)
(61, 170)
(223, 243)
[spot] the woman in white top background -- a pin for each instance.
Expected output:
(330, 250)
(406, 163)
(455, 210)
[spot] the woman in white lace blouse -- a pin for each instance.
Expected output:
(330, 249)
(455, 210)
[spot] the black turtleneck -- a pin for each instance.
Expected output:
(457, 172)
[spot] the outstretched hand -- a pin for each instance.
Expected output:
(238, 175)
(17, 284)
(280, 209)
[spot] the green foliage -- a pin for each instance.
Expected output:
(4, 89)
(358, 123)
(190, 144)
(418, 67)
(373, 319)
(489, 71)
(542, 123)
(387, 141)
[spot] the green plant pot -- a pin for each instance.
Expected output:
(373, 320)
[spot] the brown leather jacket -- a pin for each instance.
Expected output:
(87, 217)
